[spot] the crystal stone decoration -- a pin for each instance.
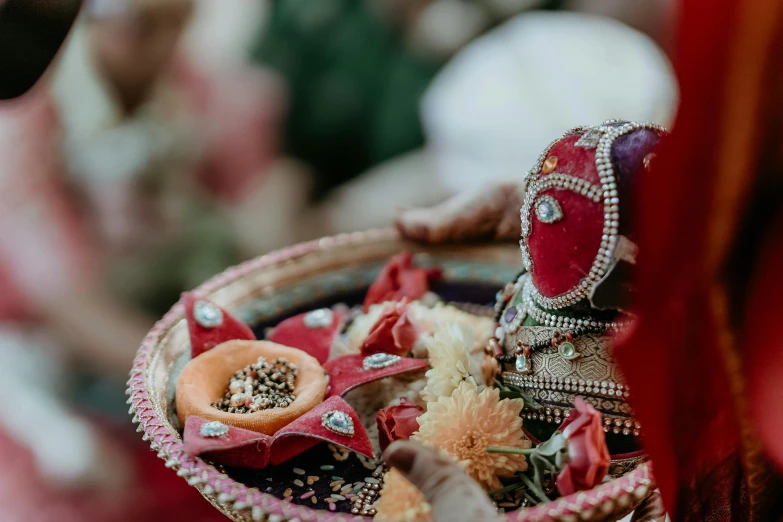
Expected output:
(548, 210)
(549, 165)
(590, 139)
(514, 317)
(377, 361)
(567, 350)
(213, 429)
(207, 314)
(338, 422)
(320, 318)
(522, 364)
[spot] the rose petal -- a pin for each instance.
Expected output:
(588, 455)
(397, 422)
(400, 279)
(405, 332)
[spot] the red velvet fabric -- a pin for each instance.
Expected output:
(575, 161)
(249, 449)
(203, 339)
(314, 341)
(347, 372)
(563, 252)
(307, 431)
(239, 448)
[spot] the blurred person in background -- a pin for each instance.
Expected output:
(128, 176)
(356, 71)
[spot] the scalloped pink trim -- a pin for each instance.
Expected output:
(235, 495)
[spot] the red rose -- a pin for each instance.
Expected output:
(400, 279)
(588, 456)
(395, 332)
(397, 422)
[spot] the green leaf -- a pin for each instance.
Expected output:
(509, 391)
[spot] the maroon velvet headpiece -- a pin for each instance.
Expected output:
(576, 209)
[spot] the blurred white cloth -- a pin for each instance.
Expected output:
(33, 375)
(502, 99)
(506, 96)
(222, 32)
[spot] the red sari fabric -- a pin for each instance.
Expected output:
(683, 359)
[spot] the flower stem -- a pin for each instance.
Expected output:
(533, 488)
(530, 498)
(515, 451)
(511, 487)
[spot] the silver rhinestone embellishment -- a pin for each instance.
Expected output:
(207, 314)
(377, 361)
(522, 364)
(320, 318)
(568, 351)
(338, 422)
(548, 210)
(590, 139)
(213, 429)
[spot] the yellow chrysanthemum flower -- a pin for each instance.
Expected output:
(468, 422)
(401, 501)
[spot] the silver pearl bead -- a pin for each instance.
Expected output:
(238, 399)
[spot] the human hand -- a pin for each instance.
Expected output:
(490, 214)
(453, 495)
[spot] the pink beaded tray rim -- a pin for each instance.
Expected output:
(148, 378)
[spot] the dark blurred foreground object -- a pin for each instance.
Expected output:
(706, 360)
(31, 33)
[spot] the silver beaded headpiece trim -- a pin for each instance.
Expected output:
(528, 308)
(601, 137)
